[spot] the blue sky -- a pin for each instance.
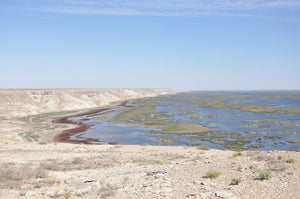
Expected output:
(187, 44)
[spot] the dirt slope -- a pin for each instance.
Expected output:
(24, 102)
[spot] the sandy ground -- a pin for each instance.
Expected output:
(105, 171)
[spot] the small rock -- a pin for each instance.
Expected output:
(192, 195)
(225, 195)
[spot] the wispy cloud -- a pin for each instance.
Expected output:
(237, 8)
(191, 4)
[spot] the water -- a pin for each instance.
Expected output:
(108, 132)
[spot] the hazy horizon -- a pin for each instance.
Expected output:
(190, 45)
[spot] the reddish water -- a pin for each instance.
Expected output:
(80, 127)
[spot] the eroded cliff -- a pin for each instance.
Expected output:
(24, 102)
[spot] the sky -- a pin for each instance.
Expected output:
(186, 44)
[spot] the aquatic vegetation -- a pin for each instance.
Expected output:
(193, 144)
(289, 124)
(255, 125)
(270, 121)
(257, 132)
(241, 137)
(294, 141)
(137, 114)
(232, 144)
(285, 131)
(145, 115)
(177, 128)
(168, 116)
(281, 122)
(212, 122)
(192, 113)
(207, 116)
(255, 146)
(271, 137)
(218, 101)
(294, 118)
(282, 143)
(179, 111)
(164, 140)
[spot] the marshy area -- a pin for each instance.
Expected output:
(220, 120)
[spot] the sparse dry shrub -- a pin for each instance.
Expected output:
(240, 168)
(38, 186)
(51, 182)
(213, 173)
(290, 160)
(236, 154)
(67, 193)
(203, 147)
(265, 175)
(79, 163)
(52, 165)
(236, 181)
(11, 174)
(107, 191)
(78, 160)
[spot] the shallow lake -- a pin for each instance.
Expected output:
(266, 131)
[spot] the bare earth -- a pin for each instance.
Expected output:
(43, 169)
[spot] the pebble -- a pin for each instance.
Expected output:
(224, 195)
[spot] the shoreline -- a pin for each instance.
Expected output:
(80, 127)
